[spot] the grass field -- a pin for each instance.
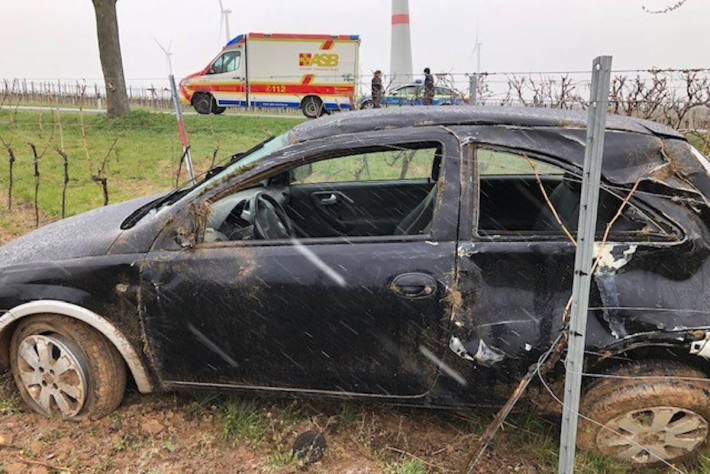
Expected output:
(144, 159)
(167, 433)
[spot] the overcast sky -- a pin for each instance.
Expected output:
(57, 38)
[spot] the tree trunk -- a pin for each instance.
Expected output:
(110, 53)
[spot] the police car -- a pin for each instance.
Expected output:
(413, 94)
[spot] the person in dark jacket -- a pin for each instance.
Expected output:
(377, 89)
(428, 86)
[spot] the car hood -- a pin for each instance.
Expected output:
(88, 234)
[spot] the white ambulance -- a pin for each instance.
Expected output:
(316, 73)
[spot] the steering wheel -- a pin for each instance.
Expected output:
(269, 218)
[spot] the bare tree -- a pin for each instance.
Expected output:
(667, 9)
(111, 62)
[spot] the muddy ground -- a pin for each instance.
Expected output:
(183, 433)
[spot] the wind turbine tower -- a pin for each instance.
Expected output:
(225, 21)
(401, 48)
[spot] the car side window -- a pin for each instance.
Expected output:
(442, 91)
(382, 165)
(381, 190)
(228, 62)
(511, 199)
(407, 91)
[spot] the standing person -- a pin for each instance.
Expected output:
(428, 86)
(377, 89)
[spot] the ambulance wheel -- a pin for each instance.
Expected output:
(202, 103)
(216, 109)
(368, 104)
(312, 106)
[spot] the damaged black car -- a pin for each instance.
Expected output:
(415, 256)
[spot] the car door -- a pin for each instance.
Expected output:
(415, 95)
(516, 260)
(401, 96)
(226, 79)
(443, 96)
(362, 315)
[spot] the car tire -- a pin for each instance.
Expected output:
(368, 104)
(92, 380)
(669, 416)
(202, 102)
(312, 107)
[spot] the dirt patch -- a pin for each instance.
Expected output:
(19, 220)
(185, 433)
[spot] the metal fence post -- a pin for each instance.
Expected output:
(181, 128)
(178, 115)
(596, 124)
(473, 88)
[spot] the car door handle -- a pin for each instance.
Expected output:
(414, 285)
(328, 200)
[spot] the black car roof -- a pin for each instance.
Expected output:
(419, 116)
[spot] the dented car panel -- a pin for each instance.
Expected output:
(270, 318)
(514, 288)
(317, 315)
(323, 316)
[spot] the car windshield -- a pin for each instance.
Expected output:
(265, 148)
(258, 152)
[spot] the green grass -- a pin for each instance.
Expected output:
(281, 459)
(290, 412)
(532, 434)
(10, 402)
(698, 141)
(702, 465)
(348, 415)
(379, 165)
(408, 466)
(244, 420)
(143, 161)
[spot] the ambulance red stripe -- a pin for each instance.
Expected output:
(320, 89)
(271, 88)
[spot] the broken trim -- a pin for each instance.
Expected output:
(138, 370)
(701, 348)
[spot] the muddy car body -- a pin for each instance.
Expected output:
(439, 289)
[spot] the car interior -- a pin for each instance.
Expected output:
(511, 202)
(381, 191)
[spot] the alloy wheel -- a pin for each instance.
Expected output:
(647, 435)
(53, 371)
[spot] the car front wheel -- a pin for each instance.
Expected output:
(62, 367)
(202, 102)
(368, 104)
(312, 107)
(647, 413)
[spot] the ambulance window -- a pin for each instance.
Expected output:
(228, 62)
